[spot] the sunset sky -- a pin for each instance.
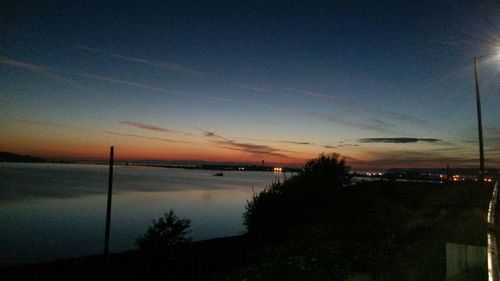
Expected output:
(386, 84)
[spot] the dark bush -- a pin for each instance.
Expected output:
(297, 200)
(328, 170)
(167, 231)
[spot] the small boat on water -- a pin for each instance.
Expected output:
(218, 174)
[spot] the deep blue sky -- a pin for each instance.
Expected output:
(250, 80)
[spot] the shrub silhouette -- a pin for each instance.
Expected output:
(297, 200)
(328, 170)
(169, 230)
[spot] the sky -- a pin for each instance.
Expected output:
(382, 83)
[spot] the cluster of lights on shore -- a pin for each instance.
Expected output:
(458, 177)
(374, 174)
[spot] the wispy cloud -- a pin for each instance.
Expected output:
(348, 145)
(256, 89)
(22, 64)
(377, 126)
(159, 89)
(327, 146)
(316, 95)
(125, 82)
(141, 137)
(253, 149)
(261, 90)
(60, 125)
(174, 67)
(398, 140)
(46, 71)
(357, 107)
(146, 126)
(150, 127)
(282, 141)
(374, 125)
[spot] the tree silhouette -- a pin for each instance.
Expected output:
(299, 199)
(169, 230)
(328, 170)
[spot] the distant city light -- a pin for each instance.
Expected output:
(373, 174)
(277, 169)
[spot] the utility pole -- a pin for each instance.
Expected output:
(108, 210)
(447, 172)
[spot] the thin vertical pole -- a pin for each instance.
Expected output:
(108, 211)
(447, 172)
(479, 124)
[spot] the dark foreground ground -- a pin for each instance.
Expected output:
(195, 261)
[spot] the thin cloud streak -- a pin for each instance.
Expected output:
(174, 67)
(256, 89)
(152, 127)
(22, 64)
(259, 89)
(355, 106)
(58, 125)
(158, 89)
(347, 123)
(244, 86)
(280, 141)
(317, 115)
(47, 72)
(398, 140)
(142, 137)
(146, 126)
(253, 149)
(316, 95)
(183, 69)
(327, 146)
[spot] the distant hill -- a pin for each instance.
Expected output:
(11, 157)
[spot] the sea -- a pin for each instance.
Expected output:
(52, 211)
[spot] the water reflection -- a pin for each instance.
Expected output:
(54, 210)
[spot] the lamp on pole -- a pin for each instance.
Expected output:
(479, 121)
(479, 117)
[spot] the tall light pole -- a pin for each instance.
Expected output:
(479, 121)
(479, 117)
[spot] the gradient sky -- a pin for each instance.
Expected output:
(385, 84)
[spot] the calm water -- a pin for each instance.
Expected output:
(50, 211)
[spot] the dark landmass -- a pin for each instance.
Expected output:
(438, 171)
(223, 167)
(11, 157)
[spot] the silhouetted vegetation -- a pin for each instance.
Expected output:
(168, 231)
(286, 204)
(315, 226)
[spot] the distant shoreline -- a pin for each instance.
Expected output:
(7, 157)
